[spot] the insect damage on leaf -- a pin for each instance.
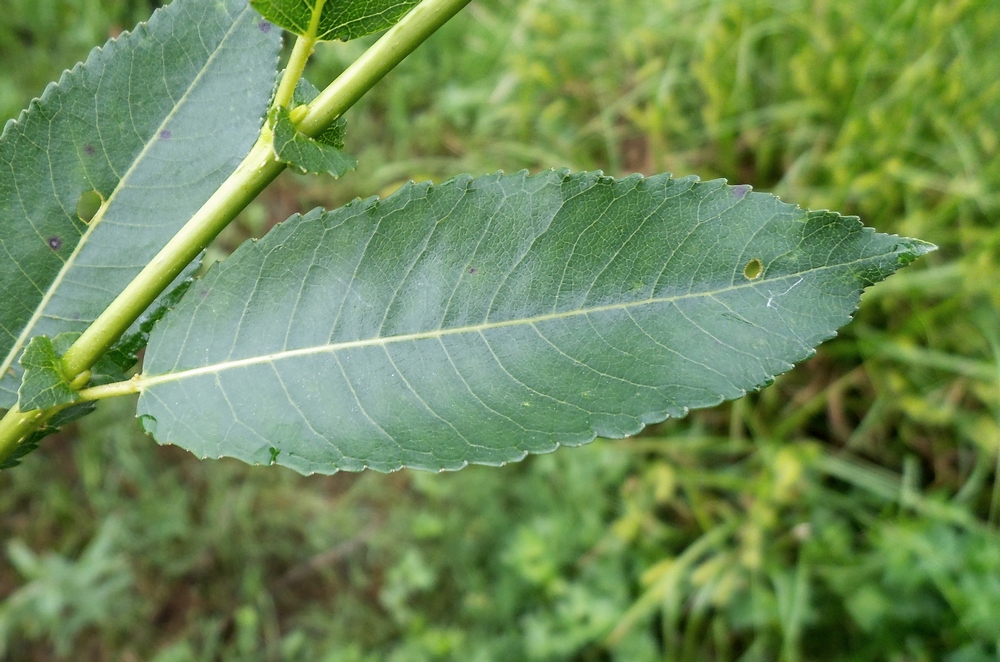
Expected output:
(88, 205)
(753, 269)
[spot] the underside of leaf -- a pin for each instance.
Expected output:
(308, 155)
(109, 163)
(319, 155)
(484, 319)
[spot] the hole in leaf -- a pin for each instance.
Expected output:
(148, 423)
(88, 205)
(753, 269)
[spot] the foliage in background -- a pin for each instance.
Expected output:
(848, 512)
(40, 39)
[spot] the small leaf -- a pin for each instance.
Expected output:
(339, 19)
(484, 319)
(333, 135)
(308, 155)
(305, 92)
(61, 418)
(44, 384)
(60, 397)
(147, 129)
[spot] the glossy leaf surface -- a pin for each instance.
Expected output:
(483, 319)
(338, 19)
(148, 127)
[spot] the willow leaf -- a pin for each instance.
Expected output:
(148, 127)
(338, 19)
(483, 319)
(322, 155)
(331, 136)
(44, 384)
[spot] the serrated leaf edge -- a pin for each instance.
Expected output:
(105, 51)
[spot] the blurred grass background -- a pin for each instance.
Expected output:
(848, 512)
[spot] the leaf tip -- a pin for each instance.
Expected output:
(918, 248)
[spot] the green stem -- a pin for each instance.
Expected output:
(257, 170)
(115, 390)
(304, 46)
(296, 65)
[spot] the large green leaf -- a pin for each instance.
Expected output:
(338, 19)
(483, 319)
(153, 122)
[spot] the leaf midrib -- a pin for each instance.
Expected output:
(26, 332)
(146, 382)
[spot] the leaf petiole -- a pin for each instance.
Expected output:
(301, 52)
